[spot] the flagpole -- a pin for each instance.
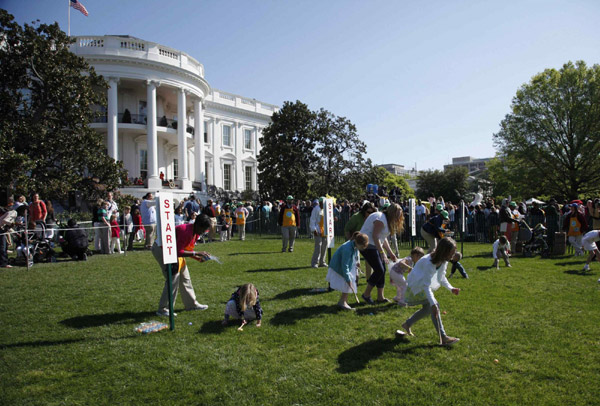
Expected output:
(69, 18)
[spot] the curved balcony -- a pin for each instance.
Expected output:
(142, 119)
(126, 46)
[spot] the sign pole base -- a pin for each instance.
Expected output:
(171, 314)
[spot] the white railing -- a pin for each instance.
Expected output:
(117, 45)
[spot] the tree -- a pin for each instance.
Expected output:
(551, 140)
(451, 184)
(307, 154)
(382, 177)
(46, 94)
(287, 152)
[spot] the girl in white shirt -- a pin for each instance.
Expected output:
(428, 274)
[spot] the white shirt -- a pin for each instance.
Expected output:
(425, 277)
(498, 246)
(369, 224)
(315, 219)
(591, 236)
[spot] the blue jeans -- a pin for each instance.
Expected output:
(457, 265)
(373, 258)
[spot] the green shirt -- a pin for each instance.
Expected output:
(354, 224)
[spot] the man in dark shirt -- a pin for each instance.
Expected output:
(76, 241)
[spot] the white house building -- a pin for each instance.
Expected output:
(162, 116)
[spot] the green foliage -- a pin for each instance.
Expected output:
(551, 139)
(307, 153)
(46, 94)
(451, 184)
(68, 335)
(380, 176)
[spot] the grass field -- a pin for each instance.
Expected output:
(68, 336)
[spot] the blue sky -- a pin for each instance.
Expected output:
(422, 81)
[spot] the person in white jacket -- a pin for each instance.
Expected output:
(428, 274)
(317, 229)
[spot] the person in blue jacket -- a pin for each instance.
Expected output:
(433, 229)
(343, 267)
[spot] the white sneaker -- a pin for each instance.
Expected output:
(165, 313)
(199, 306)
(586, 268)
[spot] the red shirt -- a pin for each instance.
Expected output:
(37, 211)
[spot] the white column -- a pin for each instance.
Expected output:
(200, 176)
(182, 140)
(239, 152)
(111, 124)
(154, 181)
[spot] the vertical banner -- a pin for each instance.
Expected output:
(328, 222)
(463, 217)
(412, 217)
(167, 227)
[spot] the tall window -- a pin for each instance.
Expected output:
(206, 132)
(248, 139)
(175, 169)
(227, 135)
(227, 177)
(248, 178)
(143, 163)
(206, 172)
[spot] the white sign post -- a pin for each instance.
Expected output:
(168, 242)
(328, 222)
(413, 221)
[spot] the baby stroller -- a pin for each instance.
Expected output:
(534, 240)
(40, 246)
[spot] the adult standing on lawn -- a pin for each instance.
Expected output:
(37, 210)
(186, 236)
(356, 222)
(377, 227)
(148, 212)
(428, 274)
(289, 219)
(317, 228)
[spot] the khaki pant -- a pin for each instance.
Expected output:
(179, 280)
(318, 257)
(150, 234)
(289, 237)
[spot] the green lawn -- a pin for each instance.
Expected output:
(68, 336)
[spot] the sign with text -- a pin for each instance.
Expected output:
(167, 227)
(328, 221)
(463, 217)
(412, 217)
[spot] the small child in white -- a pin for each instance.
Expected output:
(401, 268)
(244, 304)
(500, 249)
(589, 244)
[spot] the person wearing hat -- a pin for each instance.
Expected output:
(241, 214)
(289, 219)
(434, 229)
(574, 225)
(317, 229)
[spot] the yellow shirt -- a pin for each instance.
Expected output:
(289, 218)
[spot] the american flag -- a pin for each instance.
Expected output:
(78, 6)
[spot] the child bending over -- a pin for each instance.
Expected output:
(401, 268)
(244, 304)
(500, 250)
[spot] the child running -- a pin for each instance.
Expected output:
(343, 267)
(401, 268)
(500, 249)
(426, 277)
(244, 304)
(589, 244)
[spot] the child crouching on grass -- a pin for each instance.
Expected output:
(244, 304)
(343, 267)
(401, 268)
(500, 250)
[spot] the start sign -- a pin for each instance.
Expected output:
(328, 222)
(167, 227)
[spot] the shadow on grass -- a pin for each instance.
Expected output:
(291, 316)
(293, 293)
(579, 272)
(570, 263)
(213, 327)
(277, 269)
(357, 358)
(253, 253)
(41, 343)
(97, 320)
(371, 310)
(485, 255)
(484, 268)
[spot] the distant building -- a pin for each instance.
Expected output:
(472, 164)
(399, 170)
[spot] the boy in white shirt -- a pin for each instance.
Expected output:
(589, 244)
(500, 249)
